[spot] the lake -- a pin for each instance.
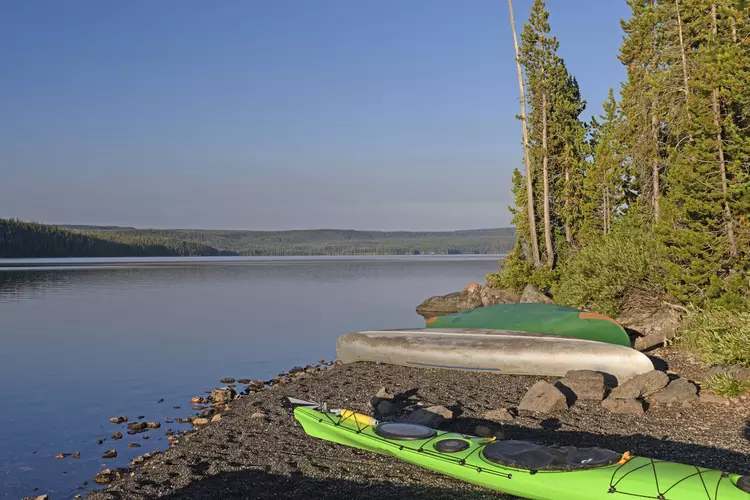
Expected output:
(84, 340)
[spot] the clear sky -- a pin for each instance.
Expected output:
(274, 114)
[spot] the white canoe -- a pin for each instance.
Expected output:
(502, 351)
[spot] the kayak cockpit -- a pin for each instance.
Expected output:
(531, 456)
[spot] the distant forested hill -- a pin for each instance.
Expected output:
(20, 239)
(334, 241)
(30, 239)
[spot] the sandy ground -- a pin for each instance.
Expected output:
(240, 457)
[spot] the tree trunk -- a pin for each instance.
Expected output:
(545, 171)
(526, 158)
(655, 163)
(720, 149)
(682, 51)
(568, 233)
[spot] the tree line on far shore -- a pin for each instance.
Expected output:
(28, 239)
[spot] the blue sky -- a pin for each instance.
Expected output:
(255, 114)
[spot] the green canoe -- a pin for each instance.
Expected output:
(538, 318)
(524, 469)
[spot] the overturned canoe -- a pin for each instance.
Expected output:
(539, 318)
(502, 351)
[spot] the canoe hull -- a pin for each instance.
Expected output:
(517, 353)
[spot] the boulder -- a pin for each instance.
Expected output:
(433, 416)
(117, 435)
(585, 384)
(501, 415)
(110, 454)
(153, 425)
(628, 406)
(137, 427)
(656, 322)
(223, 395)
(677, 391)
(543, 397)
(468, 298)
(641, 386)
(493, 296)
(118, 420)
(532, 294)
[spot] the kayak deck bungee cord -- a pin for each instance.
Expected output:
(522, 468)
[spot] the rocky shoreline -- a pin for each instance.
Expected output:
(255, 449)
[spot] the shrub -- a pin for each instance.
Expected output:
(724, 384)
(515, 272)
(721, 336)
(605, 270)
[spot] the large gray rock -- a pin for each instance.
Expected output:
(627, 406)
(468, 298)
(543, 397)
(656, 322)
(495, 296)
(532, 294)
(223, 395)
(641, 386)
(677, 391)
(434, 416)
(585, 384)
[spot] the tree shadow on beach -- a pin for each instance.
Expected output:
(244, 485)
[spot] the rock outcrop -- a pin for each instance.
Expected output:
(468, 298)
(532, 294)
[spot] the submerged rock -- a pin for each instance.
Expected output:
(117, 435)
(135, 427)
(153, 425)
(543, 397)
(110, 454)
(118, 420)
(227, 380)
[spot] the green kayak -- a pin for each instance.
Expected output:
(538, 318)
(525, 469)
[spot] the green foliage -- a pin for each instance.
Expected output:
(720, 336)
(515, 272)
(724, 384)
(605, 270)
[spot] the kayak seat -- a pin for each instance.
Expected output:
(531, 456)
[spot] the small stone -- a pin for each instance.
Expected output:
(160, 401)
(153, 425)
(118, 420)
(223, 395)
(196, 400)
(77, 455)
(244, 381)
(641, 386)
(227, 380)
(585, 384)
(311, 370)
(296, 369)
(258, 415)
(543, 397)
(216, 418)
(99, 441)
(134, 445)
(627, 406)
(176, 407)
(384, 394)
(135, 427)
(141, 417)
(110, 454)
(433, 416)
(501, 415)
(200, 421)
(61, 456)
(117, 435)
(677, 391)
(146, 437)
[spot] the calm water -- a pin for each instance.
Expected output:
(85, 340)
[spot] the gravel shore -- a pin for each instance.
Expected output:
(246, 455)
